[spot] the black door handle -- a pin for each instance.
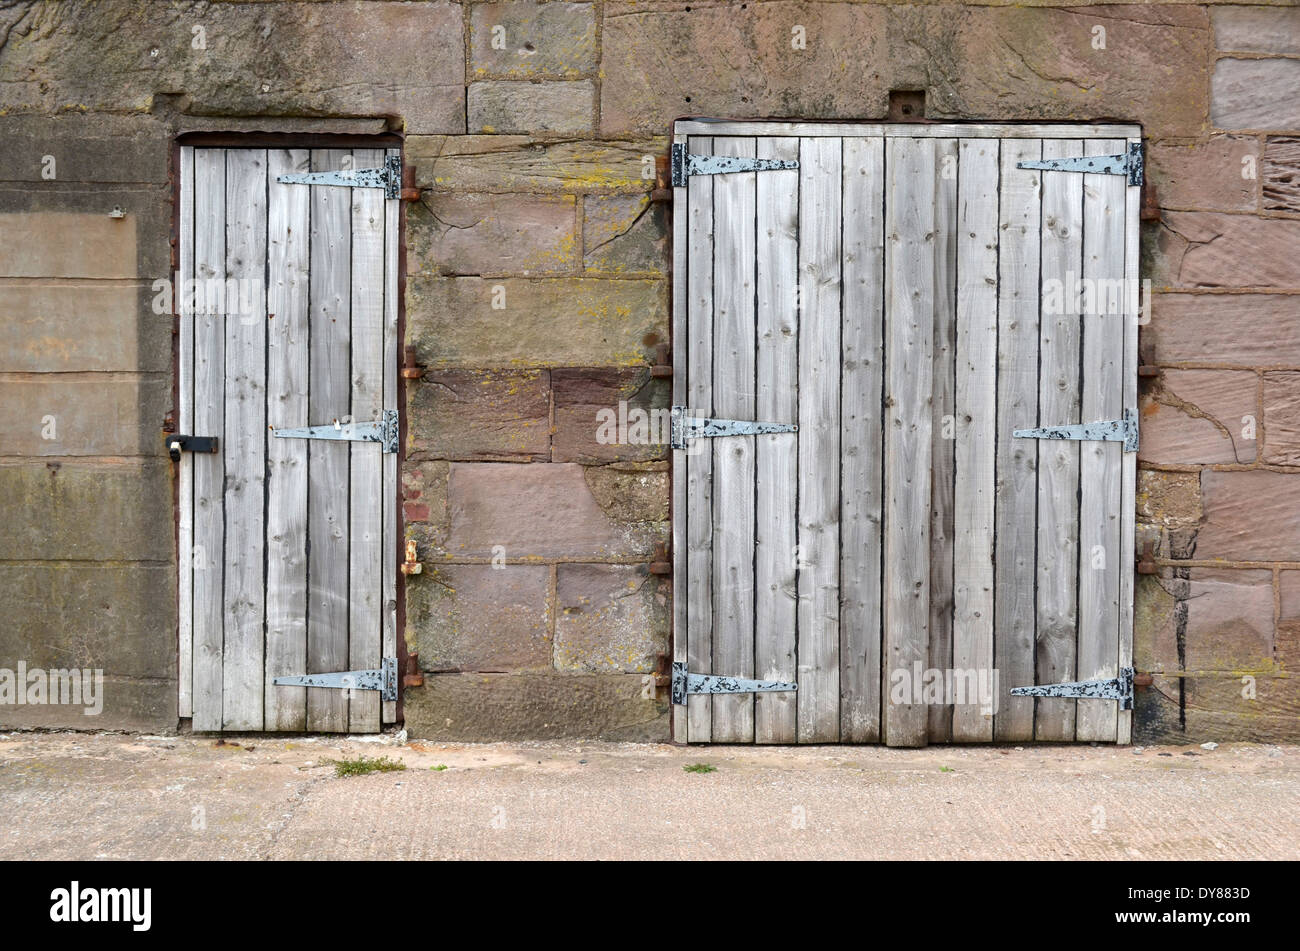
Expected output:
(178, 443)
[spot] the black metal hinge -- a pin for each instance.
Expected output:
(685, 165)
(1117, 688)
(1129, 164)
(685, 683)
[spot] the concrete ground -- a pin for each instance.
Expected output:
(114, 796)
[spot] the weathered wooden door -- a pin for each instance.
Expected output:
(909, 296)
(287, 298)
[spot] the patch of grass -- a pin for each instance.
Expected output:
(700, 768)
(439, 768)
(367, 764)
(946, 769)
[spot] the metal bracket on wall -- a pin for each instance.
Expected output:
(1129, 164)
(686, 165)
(686, 683)
(382, 431)
(1119, 688)
(1111, 430)
(384, 679)
(179, 443)
(686, 428)
(389, 177)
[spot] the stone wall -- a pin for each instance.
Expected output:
(537, 292)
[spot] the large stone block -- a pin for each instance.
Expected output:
(1202, 416)
(612, 619)
(118, 617)
(520, 163)
(1220, 707)
(1282, 418)
(84, 148)
(384, 59)
(136, 706)
(537, 510)
(472, 322)
(1256, 94)
(624, 234)
(608, 415)
(560, 107)
(1256, 30)
(492, 234)
(481, 617)
(107, 512)
(62, 328)
(1250, 516)
(1169, 499)
(632, 492)
(1219, 174)
(1229, 620)
(667, 59)
(1280, 188)
(1228, 329)
(82, 415)
(485, 707)
(523, 39)
(481, 414)
(1214, 250)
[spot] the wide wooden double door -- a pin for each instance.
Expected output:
(908, 296)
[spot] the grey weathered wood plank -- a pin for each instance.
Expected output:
(976, 400)
(1017, 459)
(909, 367)
(943, 426)
(818, 697)
(209, 420)
(734, 216)
(682, 593)
(391, 544)
(185, 421)
(861, 439)
(1058, 460)
(1101, 463)
(940, 130)
(775, 587)
(699, 456)
(288, 261)
(366, 477)
(1128, 486)
(244, 449)
(327, 481)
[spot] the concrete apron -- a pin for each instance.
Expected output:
(115, 796)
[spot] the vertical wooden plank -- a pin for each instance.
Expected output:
(209, 420)
(977, 432)
(909, 366)
(699, 455)
(184, 306)
(365, 510)
(775, 587)
(328, 473)
(390, 543)
(943, 425)
(288, 259)
(1128, 487)
(1058, 460)
(244, 448)
(820, 183)
(734, 333)
(1101, 463)
(861, 436)
(682, 593)
(1017, 459)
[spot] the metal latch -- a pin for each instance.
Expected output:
(685, 683)
(1111, 430)
(686, 428)
(686, 165)
(389, 177)
(382, 431)
(1118, 688)
(177, 444)
(1129, 163)
(384, 679)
